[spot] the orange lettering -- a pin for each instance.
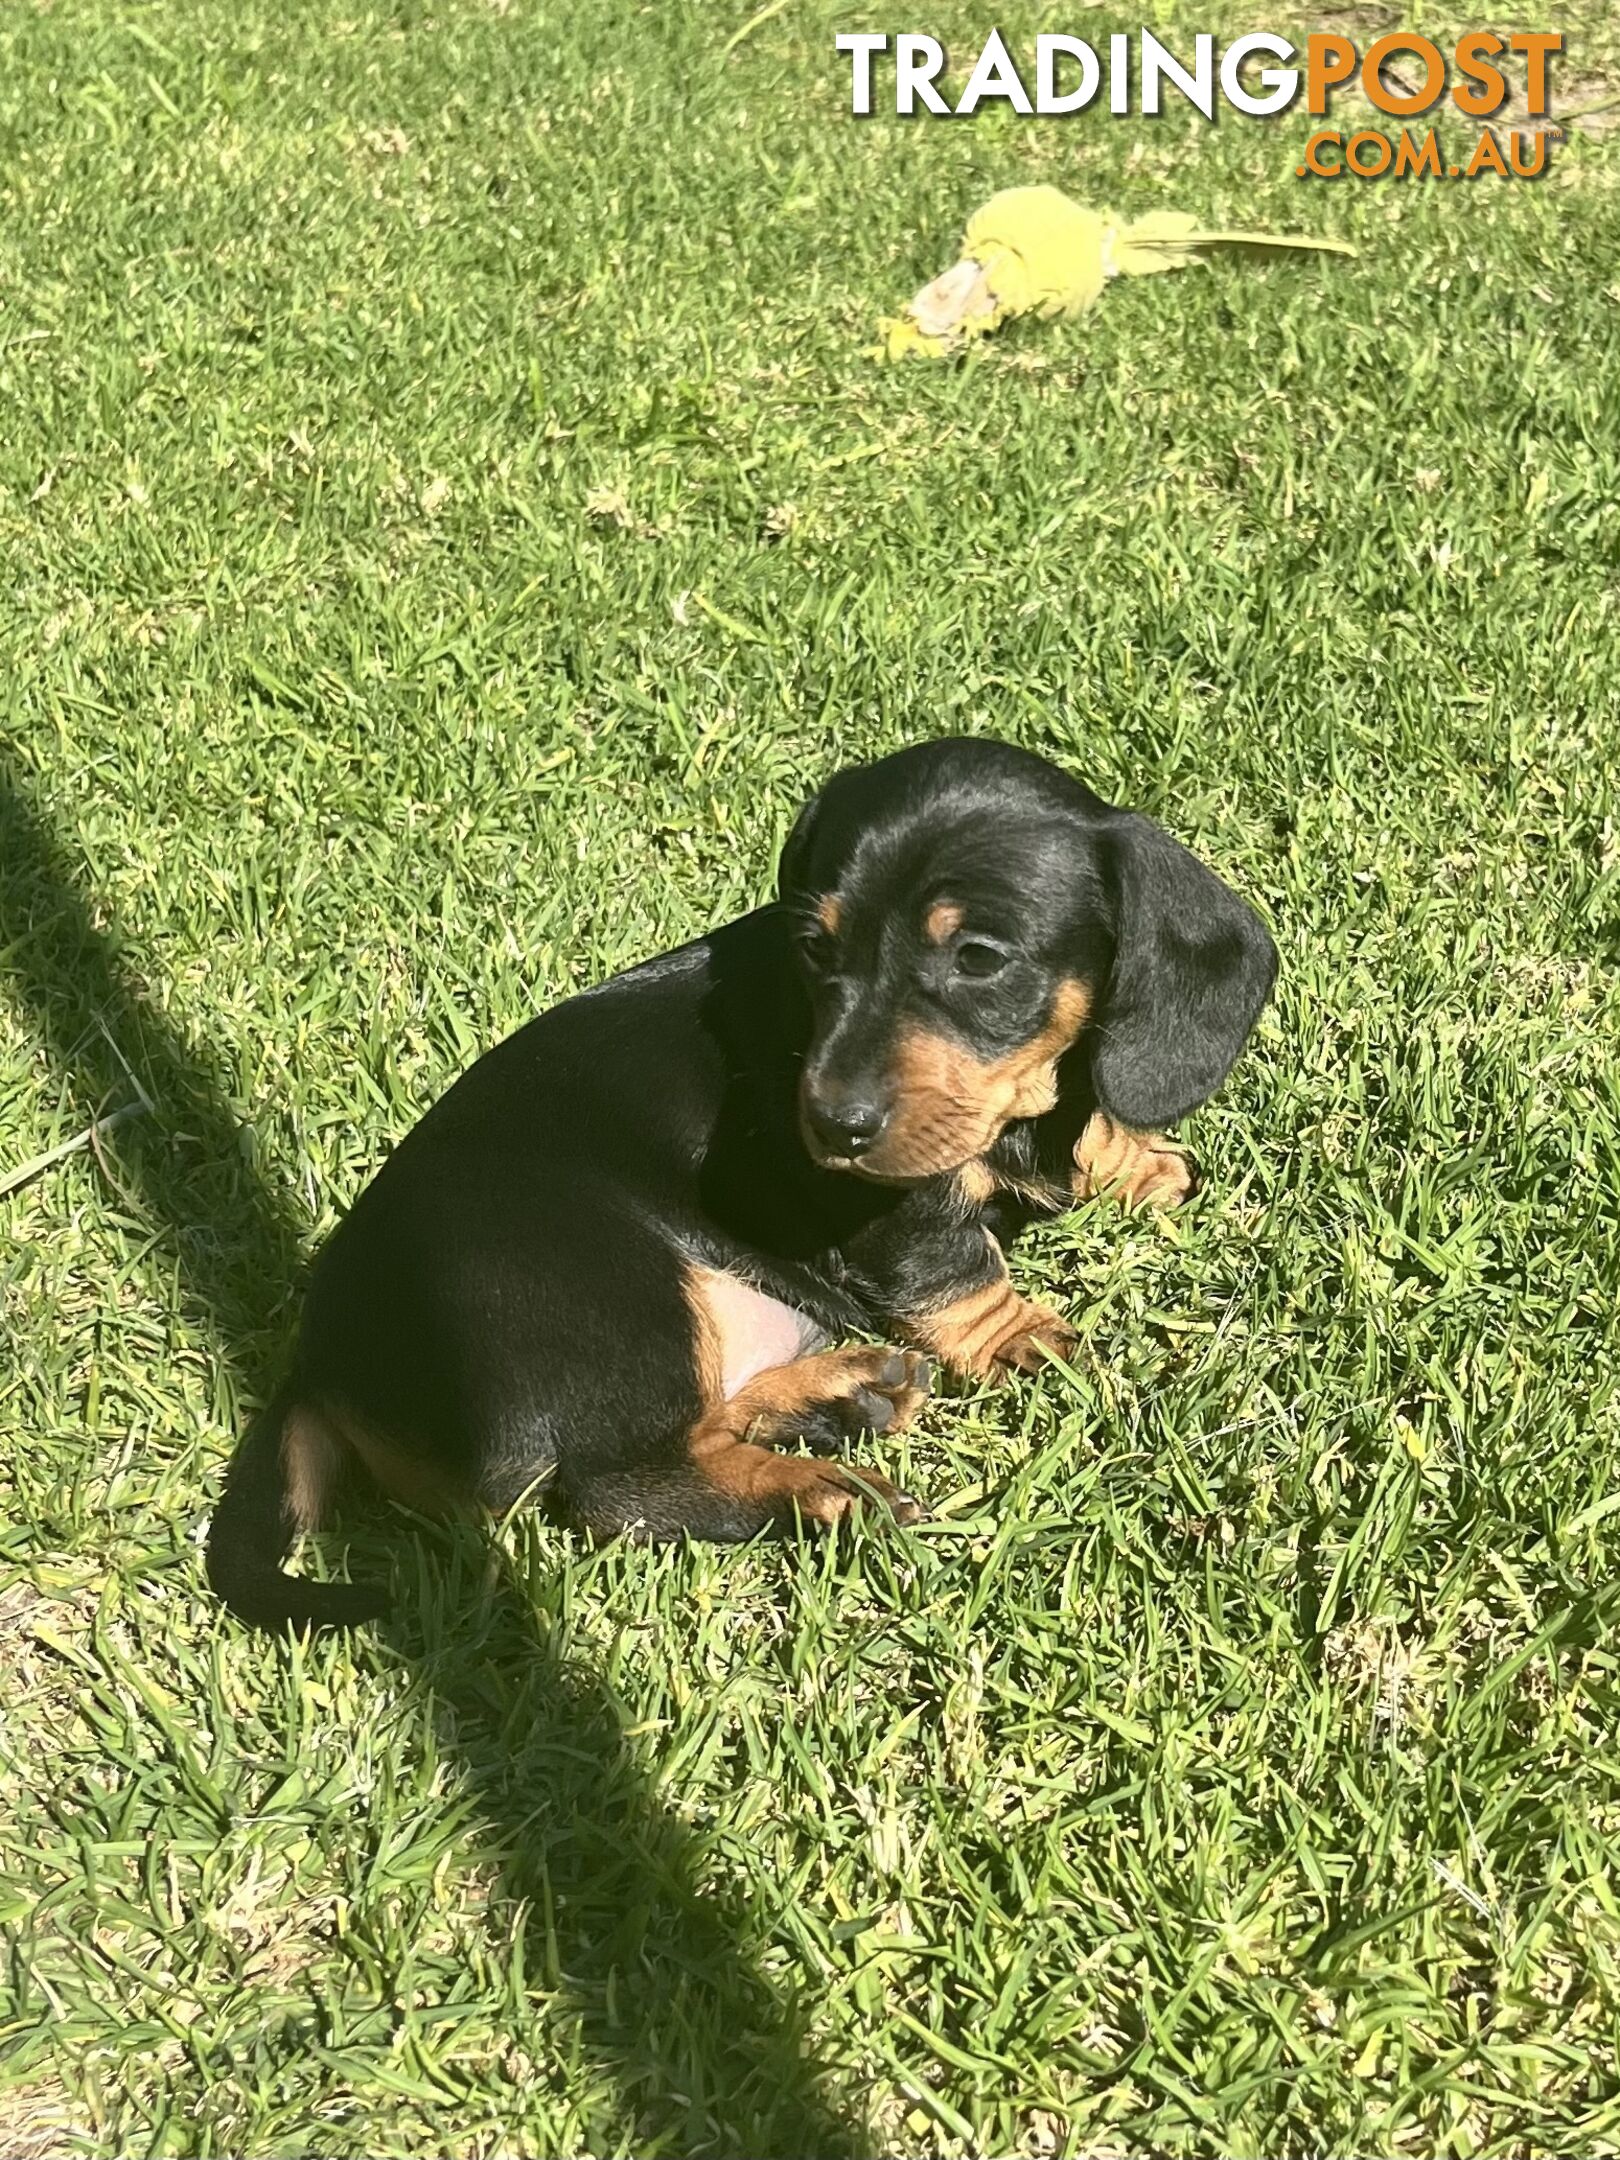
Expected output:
(1399, 101)
(1327, 138)
(1382, 153)
(1422, 158)
(1487, 157)
(1329, 61)
(1536, 45)
(1474, 56)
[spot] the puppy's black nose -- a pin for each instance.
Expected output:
(846, 1125)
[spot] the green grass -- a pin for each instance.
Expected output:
(450, 523)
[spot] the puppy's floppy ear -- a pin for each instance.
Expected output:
(1193, 964)
(793, 872)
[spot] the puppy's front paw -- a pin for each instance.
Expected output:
(992, 1332)
(1138, 1168)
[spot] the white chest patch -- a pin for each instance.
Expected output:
(748, 1332)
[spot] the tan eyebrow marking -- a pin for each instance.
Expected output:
(830, 913)
(942, 921)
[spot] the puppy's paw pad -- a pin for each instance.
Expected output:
(906, 1369)
(888, 1392)
(869, 1412)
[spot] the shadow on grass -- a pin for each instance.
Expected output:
(701, 2054)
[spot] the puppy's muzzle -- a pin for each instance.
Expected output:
(843, 1125)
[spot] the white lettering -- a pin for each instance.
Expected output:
(1282, 83)
(1048, 98)
(1161, 65)
(994, 76)
(917, 60)
(861, 44)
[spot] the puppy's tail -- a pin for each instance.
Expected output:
(252, 1533)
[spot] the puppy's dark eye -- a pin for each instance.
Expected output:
(816, 950)
(977, 960)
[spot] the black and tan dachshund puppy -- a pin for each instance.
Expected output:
(611, 1264)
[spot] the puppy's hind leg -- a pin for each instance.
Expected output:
(717, 1481)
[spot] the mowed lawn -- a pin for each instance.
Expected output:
(450, 521)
